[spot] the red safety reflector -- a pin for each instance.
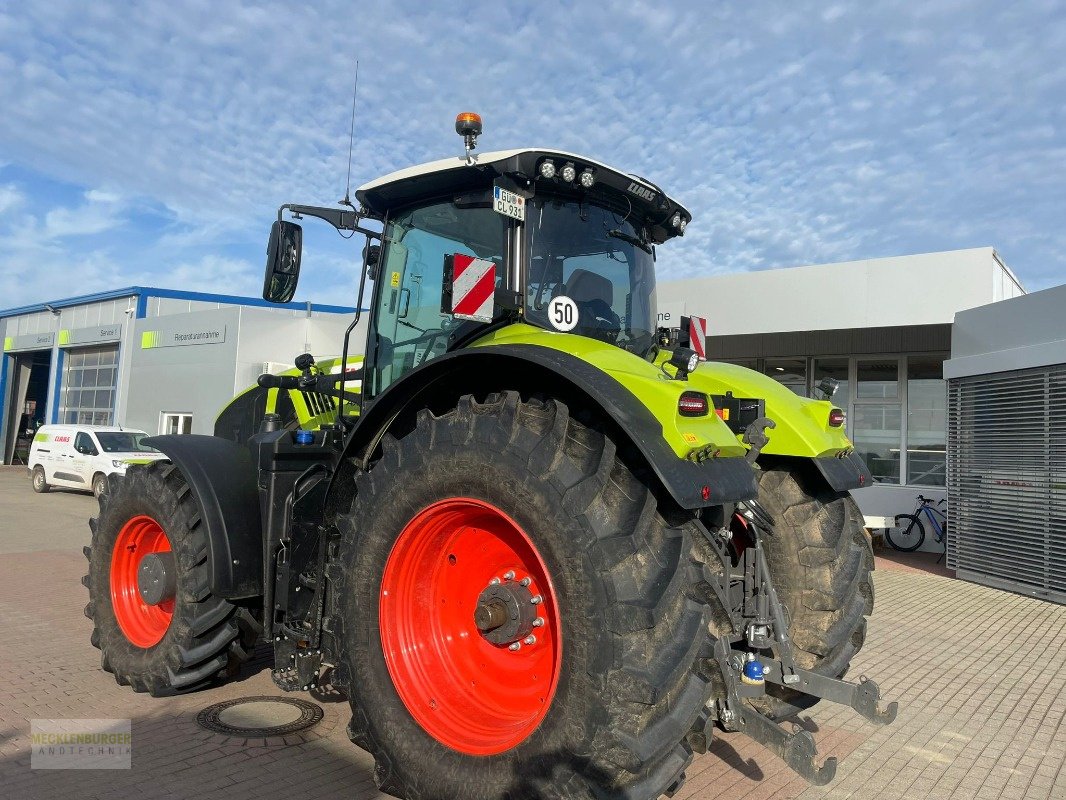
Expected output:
(693, 404)
(705, 493)
(473, 288)
(697, 336)
(836, 418)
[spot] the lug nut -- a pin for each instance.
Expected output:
(509, 575)
(536, 599)
(494, 582)
(531, 639)
(538, 622)
(525, 582)
(515, 647)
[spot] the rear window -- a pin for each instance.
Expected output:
(125, 443)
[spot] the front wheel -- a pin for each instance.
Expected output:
(518, 618)
(820, 560)
(157, 624)
(99, 484)
(908, 534)
(39, 482)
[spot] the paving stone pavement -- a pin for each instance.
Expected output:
(980, 676)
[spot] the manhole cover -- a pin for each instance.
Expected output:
(260, 716)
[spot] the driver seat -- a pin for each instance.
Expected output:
(585, 286)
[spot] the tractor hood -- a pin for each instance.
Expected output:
(521, 171)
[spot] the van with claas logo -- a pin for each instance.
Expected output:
(82, 456)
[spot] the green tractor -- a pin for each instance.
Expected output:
(544, 551)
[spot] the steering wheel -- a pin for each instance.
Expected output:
(604, 321)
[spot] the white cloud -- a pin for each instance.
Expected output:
(10, 198)
(795, 133)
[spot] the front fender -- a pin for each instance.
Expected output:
(222, 477)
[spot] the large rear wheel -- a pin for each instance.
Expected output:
(159, 628)
(518, 618)
(820, 561)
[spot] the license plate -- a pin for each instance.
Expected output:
(508, 203)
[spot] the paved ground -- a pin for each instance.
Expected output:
(980, 676)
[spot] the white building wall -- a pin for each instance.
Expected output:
(922, 289)
(267, 335)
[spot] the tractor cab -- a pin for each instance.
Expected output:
(540, 236)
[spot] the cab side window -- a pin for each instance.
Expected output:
(83, 443)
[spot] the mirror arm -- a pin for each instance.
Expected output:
(338, 218)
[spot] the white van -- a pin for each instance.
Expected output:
(82, 456)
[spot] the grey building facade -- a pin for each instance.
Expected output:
(155, 359)
(1007, 445)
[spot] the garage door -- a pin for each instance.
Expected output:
(1007, 480)
(90, 378)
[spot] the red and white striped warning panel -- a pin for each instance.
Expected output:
(473, 286)
(697, 336)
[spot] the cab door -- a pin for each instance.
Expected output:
(410, 327)
(85, 453)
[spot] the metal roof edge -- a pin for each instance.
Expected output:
(178, 294)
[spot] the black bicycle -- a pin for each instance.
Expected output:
(909, 532)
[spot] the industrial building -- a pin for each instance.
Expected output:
(882, 327)
(159, 360)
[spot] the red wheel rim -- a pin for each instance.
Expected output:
(143, 625)
(472, 695)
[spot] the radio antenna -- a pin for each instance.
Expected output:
(351, 143)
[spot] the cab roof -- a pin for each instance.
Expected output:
(520, 167)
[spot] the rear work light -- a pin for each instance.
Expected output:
(693, 404)
(836, 418)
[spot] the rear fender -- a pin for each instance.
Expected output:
(544, 372)
(222, 477)
(802, 425)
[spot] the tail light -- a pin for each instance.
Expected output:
(693, 404)
(836, 418)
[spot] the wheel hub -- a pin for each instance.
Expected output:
(157, 577)
(505, 611)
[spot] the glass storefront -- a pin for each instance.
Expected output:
(896, 408)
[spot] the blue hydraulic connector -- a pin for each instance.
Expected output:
(754, 672)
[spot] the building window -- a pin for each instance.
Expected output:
(926, 421)
(792, 372)
(876, 433)
(175, 423)
(877, 379)
(90, 378)
(877, 417)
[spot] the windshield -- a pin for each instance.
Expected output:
(598, 259)
(124, 443)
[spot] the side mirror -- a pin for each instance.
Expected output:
(283, 261)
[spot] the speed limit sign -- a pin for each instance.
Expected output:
(562, 313)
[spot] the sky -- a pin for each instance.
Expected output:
(151, 143)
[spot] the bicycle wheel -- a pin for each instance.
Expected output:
(908, 534)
